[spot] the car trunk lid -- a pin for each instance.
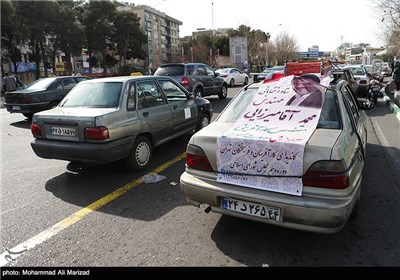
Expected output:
(68, 124)
(319, 146)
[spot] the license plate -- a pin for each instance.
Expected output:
(16, 108)
(63, 131)
(252, 209)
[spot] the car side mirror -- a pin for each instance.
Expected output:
(216, 74)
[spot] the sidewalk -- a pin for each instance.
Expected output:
(2, 102)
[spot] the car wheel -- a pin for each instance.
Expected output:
(232, 83)
(28, 115)
(246, 81)
(223, 93)
(140, 155)
(198, 92)
(203, 121)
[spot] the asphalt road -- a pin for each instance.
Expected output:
(71, 220)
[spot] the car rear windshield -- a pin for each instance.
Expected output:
(99, 95)
(41, 84)
(175, 70)
(329, 118)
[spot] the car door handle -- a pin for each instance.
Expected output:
(146, 114)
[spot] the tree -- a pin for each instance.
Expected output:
(97, 19)
(389, 14)
(128, 37)
(69, 36)
(284, 48)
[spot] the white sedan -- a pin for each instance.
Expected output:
(233, 76)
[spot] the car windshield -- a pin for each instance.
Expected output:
(226, 70)
(99, 95)
(173, 70)
(358, 71)
(329, 118)
(41, 83)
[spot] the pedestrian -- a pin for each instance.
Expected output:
(396, 75)
(9, 83)
(17, 81)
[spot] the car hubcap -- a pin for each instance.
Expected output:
(142, 154)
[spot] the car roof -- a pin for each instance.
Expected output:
(128, 78)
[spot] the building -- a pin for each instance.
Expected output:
(162, 33)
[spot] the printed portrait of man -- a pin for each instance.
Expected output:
(309, 92)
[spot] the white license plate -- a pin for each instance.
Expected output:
(63, 131)
(252, 209)
(16, 108)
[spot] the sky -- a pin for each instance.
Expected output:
(310, 22)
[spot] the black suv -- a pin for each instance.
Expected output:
(198, 78)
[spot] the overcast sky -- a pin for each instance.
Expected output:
(310, 22)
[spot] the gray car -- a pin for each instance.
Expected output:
(331, 175)
(108, 119)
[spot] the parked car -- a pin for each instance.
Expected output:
(361, 77)
(233, 76)
(108, 119)
(273, 76)
(333, 162)
(198, 78)
(40, 95)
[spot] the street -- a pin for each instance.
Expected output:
(61, 217)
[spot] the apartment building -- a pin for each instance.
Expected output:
(162, 33)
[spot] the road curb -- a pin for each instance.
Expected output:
(393, 107)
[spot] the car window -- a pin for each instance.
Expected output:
(200, 71)
(351, 103)
(149, 95)
(209, 72)
(189, 70)
(131, 97)
(41, 83)
(99, 95)
(329, 117)
(233, 111)
(170, 70)
(172, 91)
(66, 84)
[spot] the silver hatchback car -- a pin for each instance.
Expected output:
(108, 119)
(331, 174)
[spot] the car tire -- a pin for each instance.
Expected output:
(223, 93)
(203, 121)
(246, 81)
(140, 155)
(232, 82)
(198, 92)
(28, 115)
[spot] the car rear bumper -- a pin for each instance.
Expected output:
(26, 108)
(308, 212)
(87, 153)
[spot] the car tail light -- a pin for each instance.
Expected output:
(185, 81)
(96, 133)
(36, 131)
(327, 174)
(223, 75)
(26, 99)
(197, 159)
(363, 82)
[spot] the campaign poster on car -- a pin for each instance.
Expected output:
(264, 149)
